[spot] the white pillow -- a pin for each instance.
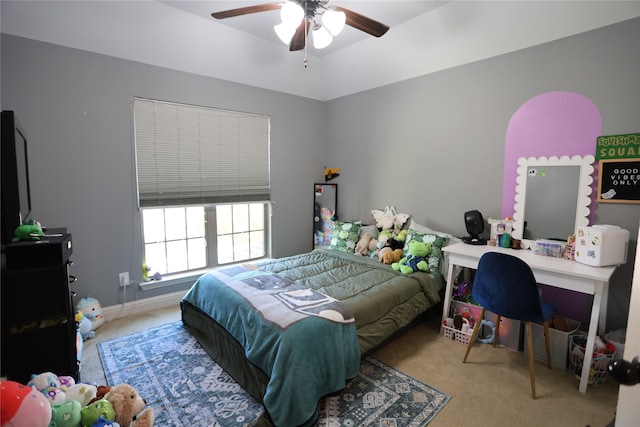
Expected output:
(371, 229)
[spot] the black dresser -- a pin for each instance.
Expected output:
(38, 322)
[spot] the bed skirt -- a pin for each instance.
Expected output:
(227, 352)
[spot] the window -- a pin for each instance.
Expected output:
(203, 185)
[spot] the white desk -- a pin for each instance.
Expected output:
(557, 272)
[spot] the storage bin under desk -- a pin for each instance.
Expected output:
(559, 343)
(511, 335)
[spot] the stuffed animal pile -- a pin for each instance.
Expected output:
(391, 236)
(48, 400)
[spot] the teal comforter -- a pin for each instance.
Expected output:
(305, 340)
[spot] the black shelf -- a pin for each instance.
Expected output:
(38, 322)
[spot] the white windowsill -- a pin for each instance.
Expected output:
(187, 277)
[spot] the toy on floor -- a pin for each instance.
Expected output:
(100, 408)
(22, 406)
(50, 385)
(101, 422)
(85, 327)
(91, 308)
(83, 393)
(42, 403)
(66, 414)
(129, 407)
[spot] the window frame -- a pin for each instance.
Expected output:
(210, 205)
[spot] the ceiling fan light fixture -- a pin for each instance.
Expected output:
(334, 21)
(321, 37)
(285, 32)
(291, 14)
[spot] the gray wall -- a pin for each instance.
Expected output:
(433, 146)
(75, 108)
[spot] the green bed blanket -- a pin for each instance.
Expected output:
(383, 300)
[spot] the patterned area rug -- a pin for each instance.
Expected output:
(185, 387)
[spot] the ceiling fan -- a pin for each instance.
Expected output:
(299, 17)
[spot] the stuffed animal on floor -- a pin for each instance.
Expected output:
(101, 391)
(416, 259)
(66, 414)
(102, 422)
(91, 308)
(93, 411)
(51, 386)
(129, 407)
(23, 406)
(82, 393)
(85, 327)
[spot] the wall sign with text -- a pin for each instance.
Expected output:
(619, 168)
(618, 146)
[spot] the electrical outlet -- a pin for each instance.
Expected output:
(124, 278)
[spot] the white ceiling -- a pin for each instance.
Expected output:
(261, 24)
(425, 37)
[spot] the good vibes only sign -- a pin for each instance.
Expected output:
(619, 168)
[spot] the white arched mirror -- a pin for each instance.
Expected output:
(552, 197)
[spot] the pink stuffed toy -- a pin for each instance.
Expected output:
(22, 406)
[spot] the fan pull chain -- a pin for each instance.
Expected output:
(306, 62)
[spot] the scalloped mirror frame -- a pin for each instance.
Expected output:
(584, 188)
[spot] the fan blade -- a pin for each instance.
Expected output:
(299, 39)
(363, 23)
(246, 10)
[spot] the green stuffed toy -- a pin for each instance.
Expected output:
(100, 408)
(66, 414)
(416, 259)
(30, 231)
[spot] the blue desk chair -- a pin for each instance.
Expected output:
(506, 286)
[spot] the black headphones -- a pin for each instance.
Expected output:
(624, 372)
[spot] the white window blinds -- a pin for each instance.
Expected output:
(194, 155)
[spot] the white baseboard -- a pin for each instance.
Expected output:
(142, 306)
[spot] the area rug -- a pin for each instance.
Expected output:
(185, 387)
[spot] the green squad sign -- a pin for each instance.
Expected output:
(618, 146)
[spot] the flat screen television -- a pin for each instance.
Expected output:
(16, 193)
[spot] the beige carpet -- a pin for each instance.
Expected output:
(491, 390)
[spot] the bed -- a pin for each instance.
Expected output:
(368, 302)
